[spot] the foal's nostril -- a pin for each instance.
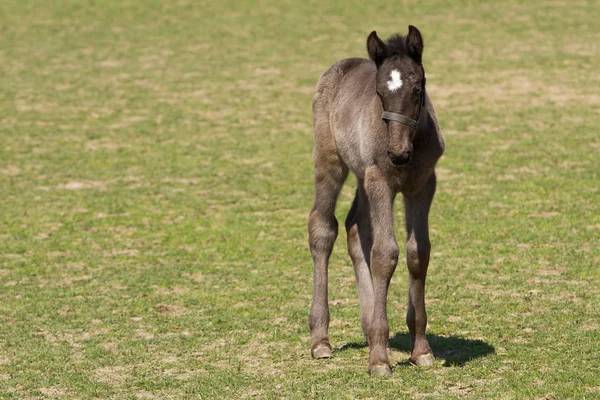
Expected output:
(399, 159)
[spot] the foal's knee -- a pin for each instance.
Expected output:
(384, 258)
(417, 255)
(322, 232)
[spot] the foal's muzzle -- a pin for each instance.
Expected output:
(400, 159)
(404, 157)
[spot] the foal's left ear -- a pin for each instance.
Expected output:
(414, 43)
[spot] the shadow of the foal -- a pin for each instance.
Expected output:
(454, 351)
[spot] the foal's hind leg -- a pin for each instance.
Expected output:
(358, 229)
(417, 258)
(330, 174)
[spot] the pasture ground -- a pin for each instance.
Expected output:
(156, 177)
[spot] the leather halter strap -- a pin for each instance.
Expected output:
(392, 116)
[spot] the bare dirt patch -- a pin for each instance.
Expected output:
(81, 185)
(143, 334)
(114, 376)
(10, 170)
(145, 395)
(53, 391)
(170, 309)
(174, 291)
(5, 360)
(109, 63)
(460, 389)
(545, 214)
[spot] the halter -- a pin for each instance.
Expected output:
(392, 116)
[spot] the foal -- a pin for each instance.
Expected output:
(374, 118)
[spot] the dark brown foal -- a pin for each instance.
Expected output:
(374, 118)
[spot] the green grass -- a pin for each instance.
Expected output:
(156, 178)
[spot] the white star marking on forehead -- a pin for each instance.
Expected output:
(395, 82)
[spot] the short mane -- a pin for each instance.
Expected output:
(396, 45)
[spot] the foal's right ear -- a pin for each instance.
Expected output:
(377, 50)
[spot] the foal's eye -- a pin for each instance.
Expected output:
(417, 92)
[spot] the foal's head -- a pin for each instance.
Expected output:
(400, 84)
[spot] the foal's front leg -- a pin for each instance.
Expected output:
(417, 259)
(384, 258)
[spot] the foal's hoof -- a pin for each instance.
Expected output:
(322, 352)
(426, 360)
(381, 370)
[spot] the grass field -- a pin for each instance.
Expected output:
(156, 178)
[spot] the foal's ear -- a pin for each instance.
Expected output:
(414, 43)
(377, 50)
